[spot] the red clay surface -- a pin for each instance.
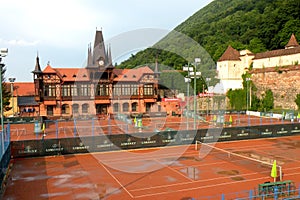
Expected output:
(160, 173)
(103, 126)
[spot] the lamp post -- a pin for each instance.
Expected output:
(192, 73)
(207, 80)
(12, 80)
(247, 96)
(3, 53)
(187, 80)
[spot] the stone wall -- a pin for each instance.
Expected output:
(283, 81)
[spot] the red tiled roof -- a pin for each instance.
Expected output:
(292, 42)
(22, 88)
(230, 54)
(131, 74)
(278, 52)
(73, 74)
(49, 69)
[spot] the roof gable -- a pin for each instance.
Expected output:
(49, 69)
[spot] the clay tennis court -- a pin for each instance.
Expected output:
(65, 129)
(160, 173)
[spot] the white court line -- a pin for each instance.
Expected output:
(206, 186)
(211, 179)
(123, 187)
(188, 183)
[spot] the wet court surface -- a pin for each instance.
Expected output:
(158, 173)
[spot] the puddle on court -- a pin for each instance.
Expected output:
(194, 158)
(191, 172)
(233, 174)
(170, 179)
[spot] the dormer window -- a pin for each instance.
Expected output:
(64, 76)
(125, 76)
(74, 76)
(134, 76)
(84, 75)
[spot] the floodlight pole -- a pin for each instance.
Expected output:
(247, 95)
(207, 109)
(193, 75)
(187, 80)
(12, 80)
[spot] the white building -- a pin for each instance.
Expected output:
(232, 64)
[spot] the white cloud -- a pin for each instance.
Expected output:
(21, 42)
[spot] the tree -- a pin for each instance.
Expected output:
(297, 101)
(6, 94)
(237, 99)
(268, 101)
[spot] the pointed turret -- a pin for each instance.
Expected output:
(38, 81)
(292, 42)
(109, 57)
(90, 56)
(37, 69)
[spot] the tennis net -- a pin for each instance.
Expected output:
(254, 164)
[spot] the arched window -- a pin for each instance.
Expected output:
(65, 109)
(134, 107)
(116, 107)
(125, 107)
(85, 108)
(75, 108)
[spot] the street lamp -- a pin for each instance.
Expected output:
(247, 95)
(193, 74)
(207, 80)
(187, 80)
(12, 80)
(3, 53)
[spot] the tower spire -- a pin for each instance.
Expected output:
(90, 57)
(109, 55)
(37, 69)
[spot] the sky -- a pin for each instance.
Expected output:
(60, 31)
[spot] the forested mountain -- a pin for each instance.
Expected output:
(257, 25)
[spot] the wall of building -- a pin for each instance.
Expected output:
(276, 61)
(284, 83)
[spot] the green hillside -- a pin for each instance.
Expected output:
(257, 25)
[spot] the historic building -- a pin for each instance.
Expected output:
(232, 64)
(97, 89)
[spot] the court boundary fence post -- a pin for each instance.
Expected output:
(250, 194)
(56, 128)
(93, 126)
(75, 130)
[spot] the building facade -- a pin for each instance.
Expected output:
(232, 64)
(97, 89)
